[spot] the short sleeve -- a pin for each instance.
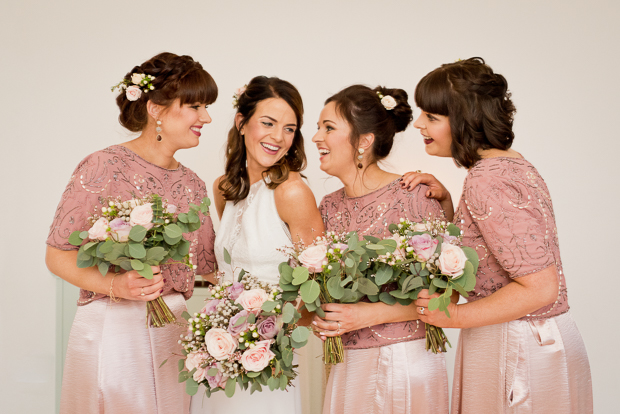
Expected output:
(84, 193)
(513, 221)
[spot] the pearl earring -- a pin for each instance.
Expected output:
(360, 158)
(158, 129)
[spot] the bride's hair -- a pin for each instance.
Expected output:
(235, 185)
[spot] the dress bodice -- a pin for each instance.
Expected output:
(254, 235)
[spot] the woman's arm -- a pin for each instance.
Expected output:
(519, 298)
(218, 197)
(436, 190)
(128, 285)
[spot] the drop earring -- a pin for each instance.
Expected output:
(158, 129)
(360, 158)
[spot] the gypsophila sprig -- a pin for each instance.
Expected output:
(135, 234)
(240, 91)
(245, 334)
(134, 87)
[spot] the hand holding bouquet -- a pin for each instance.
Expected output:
(244, 335)
(136, 234)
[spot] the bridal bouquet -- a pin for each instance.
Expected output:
(425, 255)
(330, 270)
(136, 234)
(244, 335)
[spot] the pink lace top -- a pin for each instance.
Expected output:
(372, 214)
(507, 216)
(117, 170)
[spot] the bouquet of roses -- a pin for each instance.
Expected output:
(425, 255)
(244, 335)
(330, 270)
(136, 234)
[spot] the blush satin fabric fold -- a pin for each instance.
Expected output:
(402, 378)
(113, 359)
(522, 367)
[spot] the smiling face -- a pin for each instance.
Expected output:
(269, 133)
(181, 124)
(332, 140)
(435, 130)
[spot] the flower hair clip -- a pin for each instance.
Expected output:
(240, 91)
(134, 87)
(387, 101)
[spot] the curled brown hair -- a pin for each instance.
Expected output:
(477, 102)
(235, 184)
(176, 77)
(361, 107)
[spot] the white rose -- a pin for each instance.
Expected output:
(220, 343)
(257, 358)
(388, 102)
(133, 93)
(252, 299)
(142, 216)
(99, 230)
(452, 260)
(136, 78)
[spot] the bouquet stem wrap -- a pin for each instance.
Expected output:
(158, 313)
(333, 349)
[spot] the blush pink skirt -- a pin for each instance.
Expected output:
(402, 378)
(524, 367)
(113, 360)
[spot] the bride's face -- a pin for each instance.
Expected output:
(269, 133)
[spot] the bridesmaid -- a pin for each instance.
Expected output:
(519, 350)
(264, 205)
(113, 360)
(387, 368)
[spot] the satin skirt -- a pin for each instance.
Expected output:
(522, 367)
(402, 378)
(264, 402)
(113, 359)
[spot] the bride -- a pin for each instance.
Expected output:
(263, 205)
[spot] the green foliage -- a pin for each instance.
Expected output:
(310, 290)
(76, 239)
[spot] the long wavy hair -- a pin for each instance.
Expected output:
(235, 185)
(477, 102)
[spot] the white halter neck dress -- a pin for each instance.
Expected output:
(252, 232)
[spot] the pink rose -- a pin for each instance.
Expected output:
(257, 358)
(220, 343)
(218, 380)
(195, 360)
(236, 330)
(448, 238)
(142, 216)
(235, 290)
(120, 230)
(452, 260)
(171, 208)
(252, 299)
(210, 306)
(99, 230)
(423, 245)
(268, 328)
(313, 257)
(133, 93)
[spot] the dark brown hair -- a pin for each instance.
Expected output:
(361, 107)
(235, 184)
(175, 77)
(477, 102)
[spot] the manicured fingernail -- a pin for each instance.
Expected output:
(314, 323)
(161, 291)
(321, 333)
(164, 280)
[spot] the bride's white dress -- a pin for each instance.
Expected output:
(252, 232)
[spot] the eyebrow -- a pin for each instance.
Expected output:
(276, 121)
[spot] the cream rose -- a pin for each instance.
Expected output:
(420, 227)
(253, 299)
(142, 216)
(257, 358)
(313, 257)
(220, 343)
(388, 102)
(452, 260)
(137, 78)
(99, 230)
(133, 93)
(171, 209)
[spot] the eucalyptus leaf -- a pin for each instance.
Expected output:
(106, 247)
(146, 272)
(348, 262)
(432, 289)
(162, 364)
(75, 238)
(384, 274)
(334, 287)
(387, 298)
(273, 383)
(289, 296)
(103, 268)
(183, 248)
(226, 256)
(472, 256)
(433, 304)
(399, 294)
(309, 291)
(287, 357)
(137, 264)
(283, 382)
(183, 376)
(191, 386)
(137, 250)
(288, 312)
(230, 387)
(372, 239)
(412, 282)
(289, 288)
(453, 230)
(268, 306)
(320, 312)
(367, 286)
(300, 334)
(240, 321)
(298, 345)
(251, 318)
(156, 254)
(212, 372)
(250, 374)
(185, 315)
(137, 233)
(286, 273)
(346, 280)
(311, 307)
(440, 283)
(300, 275)
(255, 387)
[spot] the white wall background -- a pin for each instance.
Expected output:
(58, 60)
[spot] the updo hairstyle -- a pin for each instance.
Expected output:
(361, 107)
(175, 77)
(235, 185)
(477, 102)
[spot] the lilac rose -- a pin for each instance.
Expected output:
(218, 380)
(210, 306)
(268, 328)
(236, 330)
(235, 290)
(119, 230)
(423, 245)
(448, 238)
